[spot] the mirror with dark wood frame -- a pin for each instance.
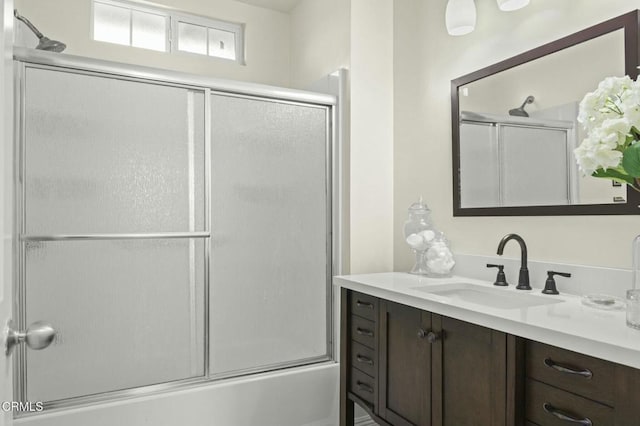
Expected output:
(514, 127)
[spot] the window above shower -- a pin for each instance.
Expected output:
(166, 30)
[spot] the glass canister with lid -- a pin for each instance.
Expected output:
(419, 233)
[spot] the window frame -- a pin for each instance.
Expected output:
(132, 6)
(209, 23)
(173, 18)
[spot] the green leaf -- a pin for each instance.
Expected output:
(614, 174)
(631, 160)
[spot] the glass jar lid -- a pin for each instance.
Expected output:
(419, 208)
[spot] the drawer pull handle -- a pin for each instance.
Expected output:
(364, 359)
(586, 373)
(364, 332)
(364, 387)
(564, 416)
(367, 305)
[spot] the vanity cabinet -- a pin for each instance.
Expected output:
(564, 387)
(422, 368)
(409, 367)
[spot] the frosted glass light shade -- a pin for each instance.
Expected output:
(509, 5)
(460, 17)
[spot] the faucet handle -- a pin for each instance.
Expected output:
(550, 284)
(501, 279)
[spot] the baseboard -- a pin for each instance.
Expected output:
(364, 421)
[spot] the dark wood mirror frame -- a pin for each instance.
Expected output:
(630, 23)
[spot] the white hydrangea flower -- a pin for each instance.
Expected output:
(595, 107)
(615, 84)
(614, 131)
(592, 155)
(610, 114)
(630, 104)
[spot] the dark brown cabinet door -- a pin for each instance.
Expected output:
(469, 374)
(405, 365)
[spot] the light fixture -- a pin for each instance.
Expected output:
(509, 5)
(460, 17)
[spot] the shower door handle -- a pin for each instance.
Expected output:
(38, 336)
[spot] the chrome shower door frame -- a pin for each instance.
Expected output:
(25, 58)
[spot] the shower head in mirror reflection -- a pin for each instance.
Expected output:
(44, 43)
(520, 112)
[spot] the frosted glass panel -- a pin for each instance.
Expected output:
(269, 220)
(128, 313)
(479, 169)
(111, 24)
(222, 44)
(149, 31)
(192, 38)
(106, 155)
(535, 166)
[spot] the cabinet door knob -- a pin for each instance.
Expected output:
(431, 336)
(564, 416)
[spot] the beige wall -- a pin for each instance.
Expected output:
(320, 40)
(371, 153)
(266, 39)
(357, 34)
(422, 164)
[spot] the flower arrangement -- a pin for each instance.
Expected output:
(611, 117)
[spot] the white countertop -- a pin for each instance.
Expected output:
(569, 324)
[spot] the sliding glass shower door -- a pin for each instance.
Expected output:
(113, 232)
(170, 232)
(270, 256)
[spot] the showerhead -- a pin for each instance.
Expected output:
(520, 112)
(45, 43)
(51, 45)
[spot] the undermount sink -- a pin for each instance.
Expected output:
(487, 296)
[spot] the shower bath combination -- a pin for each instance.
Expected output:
(44, 43)
(520, 112)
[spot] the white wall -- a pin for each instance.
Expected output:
(371, 156)
(266, 38)
(423, 147)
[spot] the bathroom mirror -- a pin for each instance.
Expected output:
(514, 127)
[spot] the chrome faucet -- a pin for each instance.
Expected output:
(523, 279)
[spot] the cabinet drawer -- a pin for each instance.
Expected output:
(542, 401)
(363, 386)
(364, 306)
(581, 374)
(363, 331)
(364, 359)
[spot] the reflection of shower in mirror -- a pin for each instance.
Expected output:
(520, 112)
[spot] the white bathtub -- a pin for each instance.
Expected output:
(304, 396)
